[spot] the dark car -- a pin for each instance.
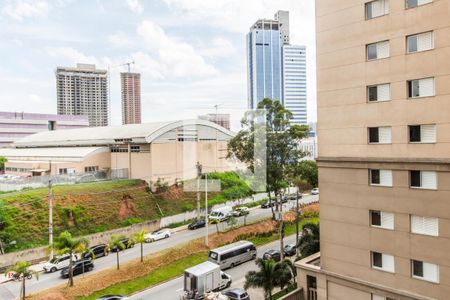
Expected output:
(197, 224)
(267, 204)
(112, 297)
(98, 251)
(290, 250)
(126, 242)
(284, 199)
(237, 294)
(272, 254)
(78, 267)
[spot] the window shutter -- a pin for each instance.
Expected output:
(428, 133)
(384, 92)
(377, 297)
(425, 225)
(425, 41)
(387, 220)
(428, 179)
(384, 135)
(422, 2)
(382, 49)
(386, 177)
(426, 87)
(388, 263)
(431, 272)
(417, 225)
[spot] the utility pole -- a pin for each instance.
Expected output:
(281, 229)
(296, 224)
(206, 210)
(50, 216)
(199, 175)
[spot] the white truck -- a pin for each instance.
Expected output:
(204, 278)
(221, 214)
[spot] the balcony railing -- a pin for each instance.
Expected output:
(312, 294)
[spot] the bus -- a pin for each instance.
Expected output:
(233, 254)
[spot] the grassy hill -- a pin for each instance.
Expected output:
(95, 207)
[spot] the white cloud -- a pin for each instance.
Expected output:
(120, 39)
(135, 6)
(22, 9)
(71, 55)
(176, 58)
(218, 47)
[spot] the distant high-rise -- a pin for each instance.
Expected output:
(220, 119)
(294, 82)
(131, 98)
(83, 91)
(276, 69)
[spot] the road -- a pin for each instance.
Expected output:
(172, 290)
(11, 290)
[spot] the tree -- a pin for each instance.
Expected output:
(263, 278)
(139, 237)
(284, 273)
(116, 243)
(22, 272)
(309, 242)
(308, 171)
(282, 151)
(66, 244)
(3, 160)
(216, 222)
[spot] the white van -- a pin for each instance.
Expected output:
(221, 214)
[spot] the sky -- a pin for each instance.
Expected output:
(191, 53)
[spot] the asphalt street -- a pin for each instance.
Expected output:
(11, 290)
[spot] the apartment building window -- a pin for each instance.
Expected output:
(379, 135)
(423, 179)
(378, 297)
(90, 169)
(415, 3)
(421, 88)
(383, 262)
(425, 271)
(425, 225)
(379, 92)
(376, 8)
(381, 219)
(422, 133)
(378, 50)
(62, 171)
(380, 177)
(420, 42)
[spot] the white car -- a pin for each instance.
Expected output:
(157, 235)
(58, 263)
(315, 191)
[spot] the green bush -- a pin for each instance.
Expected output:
(131, 221)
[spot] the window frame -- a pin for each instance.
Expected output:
(418, 5)
(421, 187)
(376, 86)
(375, 44)
(409, 88)
(369, 3)
(421, 137)
(381, 268)
(412, 261)
(417, 44)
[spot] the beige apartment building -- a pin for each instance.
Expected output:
(131, 97)
(383, 84)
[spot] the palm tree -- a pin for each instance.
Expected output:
(21, 272)
(284, 273)
(66, 244)
(264, 278)
(117, 244)
(139, 237)
(309, 242)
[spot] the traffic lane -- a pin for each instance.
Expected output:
(173, 289)
(48, 280)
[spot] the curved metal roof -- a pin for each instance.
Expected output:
(137, 133)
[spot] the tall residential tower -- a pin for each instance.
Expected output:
(131, 98)
(383, 84)
(83, 91)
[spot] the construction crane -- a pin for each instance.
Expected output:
(128, 64)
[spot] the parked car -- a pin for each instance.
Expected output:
(197, 224)
(315, 191)
(221, 214)
(78, 267)
(58, 263)
(127, 243)
(113, 297)
(294, 196)
(290, 250)
(272, 254)
(267, 204)
(237, 294)
(98, 251)
(157, 235)
(240, 211)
